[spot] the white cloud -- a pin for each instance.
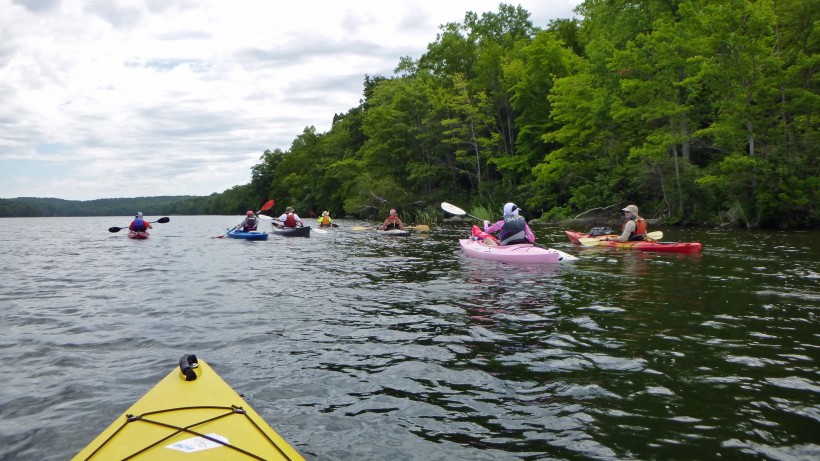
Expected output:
(112, 98)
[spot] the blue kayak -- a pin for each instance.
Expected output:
(253, 235)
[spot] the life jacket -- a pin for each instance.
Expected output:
(393, 224)
(513, 231)
(484, 237)
(138, 225)
(290, 220)
(640, 229)
(324, 221)
(250, 224)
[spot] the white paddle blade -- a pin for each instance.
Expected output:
(452, 209)
(655, 235)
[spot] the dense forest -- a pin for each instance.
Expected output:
(698, 111)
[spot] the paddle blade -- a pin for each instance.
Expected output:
(589, 242)
(163, 220)
(114, 229)
(264, 216)
(655, 235)
(452, 209)
(268, 205)
(361, 228)
(421, 228)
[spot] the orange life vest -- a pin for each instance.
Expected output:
(640, 228)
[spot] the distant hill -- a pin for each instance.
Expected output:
(54, 207)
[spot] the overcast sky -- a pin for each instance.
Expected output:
(125, 98)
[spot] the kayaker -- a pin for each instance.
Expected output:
(512, 228)
(139, 224)
(249, 223)
(392, 222)
(324, 220)
(634, 226)
(289, 218)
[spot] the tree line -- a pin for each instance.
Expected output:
(55, 207)
(698, 111)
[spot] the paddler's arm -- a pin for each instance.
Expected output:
(628, 229)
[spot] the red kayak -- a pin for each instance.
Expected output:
(668, 247)
(137, 235)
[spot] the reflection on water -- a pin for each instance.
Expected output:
(360, 346)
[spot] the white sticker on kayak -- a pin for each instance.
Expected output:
(198, 443)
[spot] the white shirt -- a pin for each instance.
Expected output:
(285, 215)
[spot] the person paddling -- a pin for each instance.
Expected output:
(325, 220)
(139, 224)
(289, 218)
(250, 222)
(634, 226)
(392, 222)
(512, 228)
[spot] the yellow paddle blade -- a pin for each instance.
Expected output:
(590, 241)
(420, 228)
(361, 228)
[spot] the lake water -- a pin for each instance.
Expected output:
(358, 346)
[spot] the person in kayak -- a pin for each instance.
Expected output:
(512, 228)
(139, 224)
(324, 220)
(634, 226)
(289, 218)
(249, 223)
(392, 222)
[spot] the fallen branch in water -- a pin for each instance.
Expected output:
(593, 209)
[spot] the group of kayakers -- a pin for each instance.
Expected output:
(513, 229)
(290, 219)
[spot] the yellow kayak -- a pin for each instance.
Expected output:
(191, 414)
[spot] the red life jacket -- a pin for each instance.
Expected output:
(290, 220)
(393, 224)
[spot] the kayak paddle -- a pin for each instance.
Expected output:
(160, 220)
(452, 209)
(267, 206)
(592, 241)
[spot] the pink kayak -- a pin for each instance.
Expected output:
(526, 253)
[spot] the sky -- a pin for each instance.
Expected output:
(122, 98)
